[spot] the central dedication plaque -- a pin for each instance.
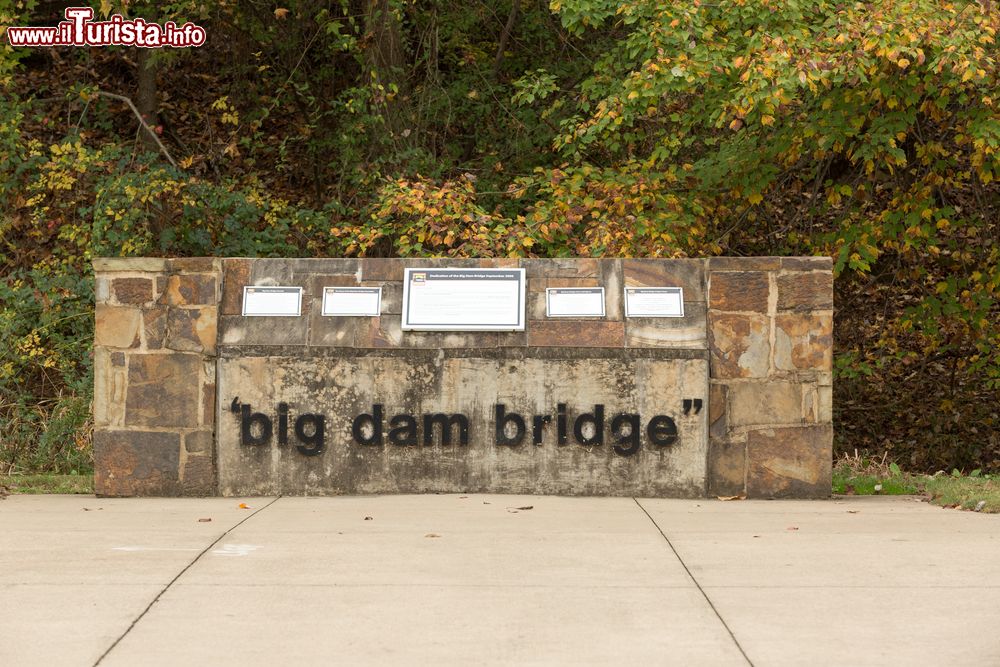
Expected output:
(463, 300)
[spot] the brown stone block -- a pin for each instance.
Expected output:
(118, 359)
(764, 403)
(688, 274)
(117, 326)
(500, 263)
(807, 263)
(235, 276)
(199, 476)
(739, 290)
(383, 269)
(189, 290)
(383, 332)
(803, 341)
(192, 329)
(576, 333)
(790, 462)
(570, 282)
(805, 291)
(238, 330)
(208, 403)
(163, 390)
(136, 463)
(726, 467)
(192, 264)
(718, 425)
(540, 270)
(744, 263)
(154, 323)
(199, 442)
(512, 338)
(739, 344)
(337, 331)
(132, 290)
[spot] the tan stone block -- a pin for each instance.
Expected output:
(192, 329)
(189, 290)
(764, 403)
(803, 341)
(136, 463)
(688, 274)
(117, 326)
(102, 289)
(238, 330)
(383, 269)
(718, 424)
(383, 332)
(122, 264)
(805, 291)
(825, 397)
(807, 263)
(576, 333)
(569, 282)
(740, 345)
(193, 264)
(538, 271)
(681, 332)
(726, 467)
(744, 263)
(235, 276)
(198, 478)
(790, 462)
(163, 390)
(500, 263)
(739, 291)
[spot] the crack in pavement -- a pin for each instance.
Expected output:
(179, 575)
(696, 583)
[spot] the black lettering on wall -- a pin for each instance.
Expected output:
(561, 423)
(596, 420)
(502, 419)
(662, 430)
(312, 443)
(248, 420)
(537, 426)
(627, 431)
(282, 423)
(373, 421)
(404, 431)
(446, 422)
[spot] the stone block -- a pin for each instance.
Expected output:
(740, 345)
(726, 467)
(198, 478)
(576, 333)
(683, 332)
(613, 282)
(567, 282)
(337, 331)
(790, 462)
(805, 291)
(512, 338)
(122, 264)
(235, 276)
(102, 289)
(208, 402)
(535, 305)
(688, 274)
(199, 442)
(193, 264)
(825, 408)
(764, 403)
(136, 463)
(803, 341)
(538, 271)
(154, 323)
(386, 332)
(807, 263)
(163, 390)
(239, 330)
(192, 329)
(739, 291)
(718, 424)
(118, 359)
(117, 326)
(132, 291)
(744, 263)
(389, 269)
(189, 290)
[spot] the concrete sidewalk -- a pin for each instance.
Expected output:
(460, 580)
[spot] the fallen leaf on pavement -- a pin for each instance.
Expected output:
(793, 528)
(368, 518)
(203, 520)
(432, 535)
(244, 506)
(731, 497)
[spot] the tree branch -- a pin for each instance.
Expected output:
(142, 123)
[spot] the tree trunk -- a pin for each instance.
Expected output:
(385, 57)
(145, 97)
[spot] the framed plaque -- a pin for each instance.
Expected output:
(352, 301)
(654, 302)
(574, 302)
(463, 300)
(267, 301)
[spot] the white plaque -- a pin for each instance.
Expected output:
(352, 301)
(463, 300)
(574, 302)
(266, 301)
(654, 302)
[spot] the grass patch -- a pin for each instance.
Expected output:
(48, 483)
(855, 475)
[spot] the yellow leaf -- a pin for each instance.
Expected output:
(632, 95)
(903, 63)
(527, 242)
(767, 120)
(755, 198)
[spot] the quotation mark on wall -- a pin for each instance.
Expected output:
(697, 403)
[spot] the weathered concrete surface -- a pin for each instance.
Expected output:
(453, 580)
(421, 383)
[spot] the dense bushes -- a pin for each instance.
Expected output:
(868, 132)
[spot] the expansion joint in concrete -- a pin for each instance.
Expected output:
(179, 575)
(696, 583)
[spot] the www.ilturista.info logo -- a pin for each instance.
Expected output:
(79, 30)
